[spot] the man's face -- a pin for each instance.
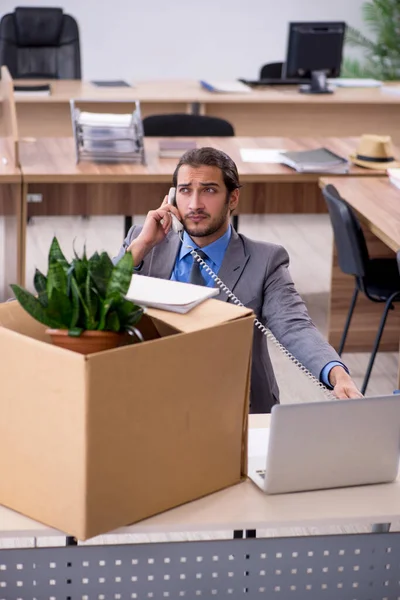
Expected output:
(203, 200)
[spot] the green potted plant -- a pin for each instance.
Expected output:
(83, 302)
(382, 50)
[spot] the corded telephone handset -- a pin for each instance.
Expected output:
(178, 228)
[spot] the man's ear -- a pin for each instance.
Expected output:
(234, 199)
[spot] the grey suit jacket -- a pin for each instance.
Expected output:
(258, 275)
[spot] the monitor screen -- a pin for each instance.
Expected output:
(315, 46)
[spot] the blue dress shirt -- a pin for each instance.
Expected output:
(215, 254)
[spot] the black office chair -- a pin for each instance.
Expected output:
(40, 43)
(271, 70)
(377, 278)
(185, 125)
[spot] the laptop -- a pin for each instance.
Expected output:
(321, 445)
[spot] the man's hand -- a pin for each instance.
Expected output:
(155, 229)
(343, 385)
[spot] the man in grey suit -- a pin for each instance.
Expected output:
(207, 191)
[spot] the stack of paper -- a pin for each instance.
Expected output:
(320, 160)
(168, 295)
(108, 137)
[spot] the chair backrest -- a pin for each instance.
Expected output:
(273, 70)
(184, 125)
(350, 242)
(40, 43)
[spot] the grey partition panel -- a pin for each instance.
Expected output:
(348, 567)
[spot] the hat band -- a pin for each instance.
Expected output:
(375, 160)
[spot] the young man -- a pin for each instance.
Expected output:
(207, 191)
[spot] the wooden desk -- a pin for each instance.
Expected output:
(273, 111)
(49, 168)
(359, 566)
(10, 221)
(377, 204)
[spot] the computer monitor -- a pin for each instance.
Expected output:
(314, 52)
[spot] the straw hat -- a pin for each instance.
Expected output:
(375, 152)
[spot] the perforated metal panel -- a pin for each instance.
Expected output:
(345, 567)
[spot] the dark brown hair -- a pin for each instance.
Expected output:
(212, 158)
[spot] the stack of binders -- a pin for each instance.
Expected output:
(320, 160)
(109, 138)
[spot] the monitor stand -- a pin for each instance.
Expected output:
(318, 85)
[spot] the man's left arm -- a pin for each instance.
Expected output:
(285, 313)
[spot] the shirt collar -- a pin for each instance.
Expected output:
(215, 251)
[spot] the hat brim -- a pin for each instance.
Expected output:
(377, 166)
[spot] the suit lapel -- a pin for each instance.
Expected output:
(233, 264)
(162, 259)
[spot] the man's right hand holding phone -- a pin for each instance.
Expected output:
(155, 229)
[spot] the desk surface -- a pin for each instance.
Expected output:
(377, 203)
(8, 172)
(160, 91)
(244, 506)
(53, 160)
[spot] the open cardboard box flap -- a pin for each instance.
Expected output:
(207, 314)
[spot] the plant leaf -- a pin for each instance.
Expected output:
(75, 304)
(120, 279)
(75, 331)
(113, 323)
(56, 279)
(100, 268)
(88, 323)
(56, 255)
(60, 308)
(34, 308)
(40, 284)
(91, 300)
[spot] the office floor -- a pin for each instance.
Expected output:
(307, 238)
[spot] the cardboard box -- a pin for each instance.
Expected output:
(92, 443)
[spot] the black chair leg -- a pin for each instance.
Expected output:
(348, 321)
(128, 224)
(235, 222)
(377, 341)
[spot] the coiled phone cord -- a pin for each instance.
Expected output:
(269, 335)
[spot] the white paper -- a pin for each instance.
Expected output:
(227, 87)
(105, 119)
(354, 83)
(168, 295)
(258, 442)
(261, 155)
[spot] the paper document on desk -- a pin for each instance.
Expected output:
(258, 442)
(354, 82)
(168, 295)
(261, 155)
(225, 87)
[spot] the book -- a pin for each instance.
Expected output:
(225, 87)
(111, 83)
(320, 160)
(32, 89)
(174, 148)
(165, 294)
